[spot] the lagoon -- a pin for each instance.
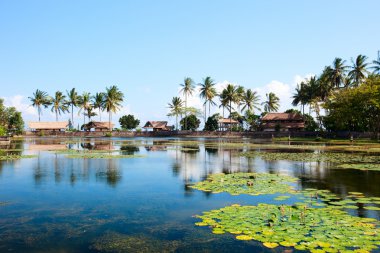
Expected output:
(71, 197)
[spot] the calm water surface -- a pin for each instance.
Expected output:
(52, 203)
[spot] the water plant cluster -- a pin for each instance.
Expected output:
(319, 222)
(247, 183)
(10, 157)
(315, 229)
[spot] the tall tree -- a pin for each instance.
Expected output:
(358, 70)
(90, 113)
(272, 103)
(300, 96)
(230, 94)
(240, 92)
(113, 98)
(337, 72)
(84, 103)
(40, 99)
(98, 103)
(59, 104)
(250, 100)
(176, 109)
(187, 89)
(223, 101)
(376, 64)
(207, 92)
(72, 101)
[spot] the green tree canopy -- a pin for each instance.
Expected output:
(129, 122)
(190, 122)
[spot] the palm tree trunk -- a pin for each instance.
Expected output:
(186, 111)
(230, 116)
(205, 112)
(176, 122)
(109, 123)
(72, 114)
(56, 116)
(100, 115)
(39, 113)
(209, 106)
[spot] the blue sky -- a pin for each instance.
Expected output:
(148, 47)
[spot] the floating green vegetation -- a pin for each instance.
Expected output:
(11, 150)
(4, 203)
(247, 183)
(314, 157)
(83, 151)
(10, 157)
(102, 156)
(361, 166)
(316, 229)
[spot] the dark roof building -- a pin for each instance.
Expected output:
(283, 122)
(157, 126)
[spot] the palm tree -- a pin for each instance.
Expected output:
(176, 109)
(337, 72)
(272, 103)
(187, 89)
(250, 100)
(98, 103)
(208, 92)
(223, 100)
(72, 101)
(299, 97)
(230, 94)
(113, 98)
(84, 102)
(90, 113)
(39, 99)
(240, 92)
(358, 70)
(376, 64)
(59, 104)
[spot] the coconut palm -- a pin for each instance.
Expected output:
(59, 104)
(358, 70)
(208, 92)
(98, 103)
(250, 101)
(272, 103)
(223, 100)
(113, 98)
(72, 100)
(187, 89)
(240, 92)
(176, 109)
(299, 97)
(376, 64)
(90, 113)
(337, 72)
(40, 99)
(230, 96)
(84, 102)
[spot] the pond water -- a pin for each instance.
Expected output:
(141, 203)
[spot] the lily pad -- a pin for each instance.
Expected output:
(247, 183)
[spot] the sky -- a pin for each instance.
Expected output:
(148, 47)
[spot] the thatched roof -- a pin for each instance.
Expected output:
(100, 124)
(227, 121)
(48, 125)
(156, 124)
(282, 116)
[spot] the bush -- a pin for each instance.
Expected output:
(192, 123)
(108, 135)
(129, 122)
(3, 131)
(212, 123)
(41, 133)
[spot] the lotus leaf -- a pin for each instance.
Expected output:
(247, 183)
(315, 229)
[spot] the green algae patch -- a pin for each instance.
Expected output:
(101, 156)
(11, 157)
(361, 166)
(247, 183)
(314, 157)
(315, 229)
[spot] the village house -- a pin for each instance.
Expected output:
(98, 126)
(57, 126)
(282, 122)
(227, 124)
(157, 126)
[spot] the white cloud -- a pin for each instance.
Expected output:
(18, 101)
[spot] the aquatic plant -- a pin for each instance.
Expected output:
(10, 157)
(314, 157)
(361, 166)
(247, 183)
(316, 229)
